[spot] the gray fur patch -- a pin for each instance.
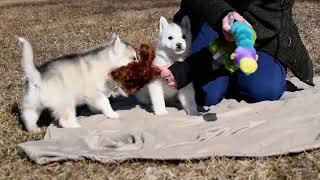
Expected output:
(71, 58)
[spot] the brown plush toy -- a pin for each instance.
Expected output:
(136, 74)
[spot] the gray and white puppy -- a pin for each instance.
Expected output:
(72, 80)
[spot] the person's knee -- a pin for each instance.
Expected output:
(212, 99)
(204, 38)
(266, 93)
(209, 98)
(213, 91)
(267, 83)
(214, 94)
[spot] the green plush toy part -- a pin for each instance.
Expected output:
(241, 54)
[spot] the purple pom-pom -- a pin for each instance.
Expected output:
(244, 52)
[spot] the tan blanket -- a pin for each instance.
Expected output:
(231, 128)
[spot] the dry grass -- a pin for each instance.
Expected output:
(62, 26)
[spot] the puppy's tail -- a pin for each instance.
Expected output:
(30, 71)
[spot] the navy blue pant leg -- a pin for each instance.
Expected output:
(267, 83)
(204, 38)
(212, 90)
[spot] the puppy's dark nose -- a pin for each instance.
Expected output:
(179, 45)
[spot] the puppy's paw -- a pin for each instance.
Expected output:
(70, 124)
(34, 129)
(112, 115)
(161, 112)
(31, 126)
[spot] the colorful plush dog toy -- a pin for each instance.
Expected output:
(136, 74)
(241, 55)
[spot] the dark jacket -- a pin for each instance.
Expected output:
(277, 34)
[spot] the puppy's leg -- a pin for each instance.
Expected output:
(157, 97)
(30, 117)
(67, 116)
(31, 109)
(102, 103)
(187, 99)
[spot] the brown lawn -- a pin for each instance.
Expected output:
(57, 27)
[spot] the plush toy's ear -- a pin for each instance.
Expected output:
(163, 23)
(186, 22)
(147, 54)
(144, 52)
(233, 56)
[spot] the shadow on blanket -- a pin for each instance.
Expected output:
(122, 103)
(46, 117)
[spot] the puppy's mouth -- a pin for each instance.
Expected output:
(179, 50)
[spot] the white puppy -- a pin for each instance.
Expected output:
(71, 80)
(174, 44)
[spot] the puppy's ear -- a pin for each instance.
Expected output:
(163, 23)
(117, 46)
(186, 22)
(113, 36)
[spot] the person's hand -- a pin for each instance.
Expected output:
(227, 23)
(167, 75)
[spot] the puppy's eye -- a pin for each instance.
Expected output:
(170, 37)
(134, 58)
(184, 37)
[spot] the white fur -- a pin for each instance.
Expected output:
(64, 84)
(158, 92)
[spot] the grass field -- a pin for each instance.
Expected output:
(63, 26)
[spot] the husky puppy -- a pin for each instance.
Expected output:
(71, 80)
(174, 44)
